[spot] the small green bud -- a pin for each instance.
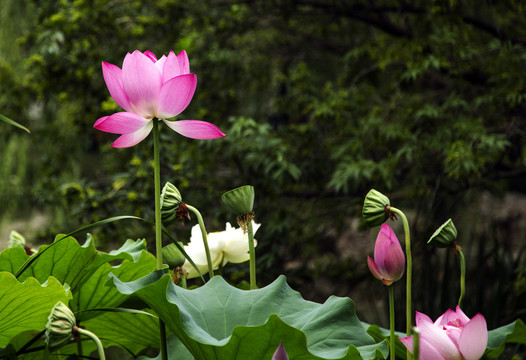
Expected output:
(172, 256)
(59, 328)
(170, 200)
(374, 210)
(16, 239)
(444, 236)
(239, 200)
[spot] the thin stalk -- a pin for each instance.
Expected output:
(183, 281)
(416, 343)
(205, 239)
(79, 347)
(158, 224)
(94, 337)
(409, 272)
(462, 277)
(164, 345)
(157, 180)
(252, 252)
(392, 350)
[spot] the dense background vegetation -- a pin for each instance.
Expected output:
(321, 101)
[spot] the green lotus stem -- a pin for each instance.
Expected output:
(409, 272)
(205, 239)
(164, 345)
(416, 343)
(392, 350)
(79, 348)
(157, 179)
(158, 224)
(462, 277)
(94, 337)
(252, 252)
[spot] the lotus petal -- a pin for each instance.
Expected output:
(142, 82)
(132, 139)
(176, 94)
(195, 129)
(121, 123)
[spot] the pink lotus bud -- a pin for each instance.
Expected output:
(280, 353)
(389, 260)
(453, 336)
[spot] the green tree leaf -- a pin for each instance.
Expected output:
(14, 123)
(218, 321)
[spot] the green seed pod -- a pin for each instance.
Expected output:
(59, 328)
(172, 256)
(170, 200)
(374, 208)
(16, 239)
(444, 236)
(239, 200)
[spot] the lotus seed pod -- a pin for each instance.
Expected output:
(374, 208)
(170, 200)
(59, 328)
(444, 236)
(239, 200)
(172, 256)
(16, 239)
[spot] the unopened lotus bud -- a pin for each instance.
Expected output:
(172, 256)
(375, 209)
(280, 353)
(59, 328)
(171, 199)
(444, 236)
(388, 264)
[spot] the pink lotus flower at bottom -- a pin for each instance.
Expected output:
(453, 336)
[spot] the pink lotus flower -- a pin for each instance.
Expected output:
(389, 260)
(148, 88)
(280, 353)
(453, 336)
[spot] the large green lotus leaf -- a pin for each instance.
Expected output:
(26, 306)
(132, 332)
(219, 321)
(380, 334)
(74, 264)
(94, 295)
(498, 338)
(176, 351)
(11, 259)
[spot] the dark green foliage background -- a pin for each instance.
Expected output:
(321, 101)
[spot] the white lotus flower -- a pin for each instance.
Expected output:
(226, 246)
